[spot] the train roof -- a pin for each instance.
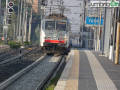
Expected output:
(56, 16)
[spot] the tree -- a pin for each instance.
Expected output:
(36, 36)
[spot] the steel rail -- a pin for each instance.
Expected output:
(13, 78)
(14, 58)
(46, 78)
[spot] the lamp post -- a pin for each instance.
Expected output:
(94, 38)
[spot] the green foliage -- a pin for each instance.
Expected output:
(53, 82)
(3, 3)
(1, 42)
(1, 34)
(37, 31)
(14, 44)
(36, 36)
(30, 43)
(1, 29)
(27, 43)
(35, 21)
(14, 18)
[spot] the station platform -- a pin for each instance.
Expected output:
(86, 70)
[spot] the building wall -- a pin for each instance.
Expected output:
(35, 5)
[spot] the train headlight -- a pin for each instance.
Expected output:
(65, 38)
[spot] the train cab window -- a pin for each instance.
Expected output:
(50, 25)
(61, 26)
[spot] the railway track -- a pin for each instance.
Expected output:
(12, 53)
(12, 67)
(34, 76)
(14, 57)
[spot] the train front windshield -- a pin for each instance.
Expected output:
(49, 25)
(61, 26)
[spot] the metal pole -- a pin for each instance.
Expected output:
(6, 16)
(82, 19)
(82, 25)
(0, 15)
(95, 35)
(3, 27)
(14, 32)
(25, 24)
(98, 36)
(78, 42)
(117, 39)
(41, 27)
(112, 34)
(84, 8)
(99, 30)
(114, 29)
(117, 44)
(20, 22)
(18, 19)
(41, 20)
(103, 33)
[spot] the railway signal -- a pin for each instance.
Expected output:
(11, 4)
(10, 9)
(9, 19)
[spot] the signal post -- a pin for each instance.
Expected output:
(9, 9)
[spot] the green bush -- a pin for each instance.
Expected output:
(27, 43)
(14, 44)
(30, 43)
(1, 42)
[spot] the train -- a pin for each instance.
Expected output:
(55, 33)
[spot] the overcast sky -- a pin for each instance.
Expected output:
(76, 10)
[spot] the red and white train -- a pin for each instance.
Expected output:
(55, 33)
